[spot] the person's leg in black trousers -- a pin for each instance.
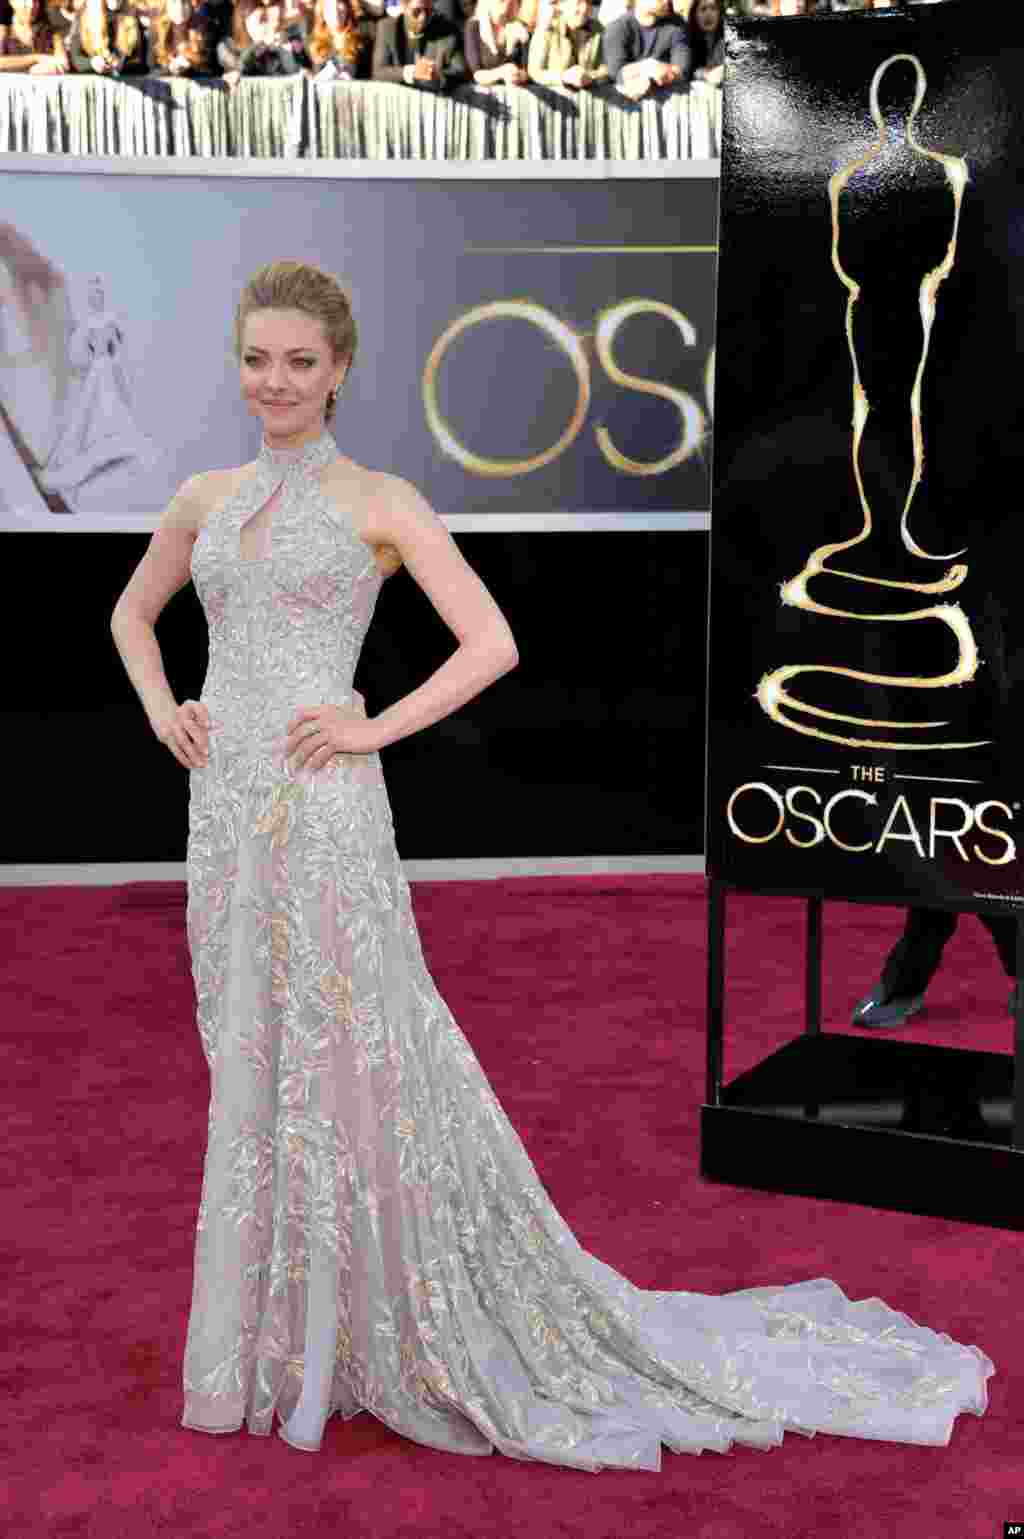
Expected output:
(914, 960)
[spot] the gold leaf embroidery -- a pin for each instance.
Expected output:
(435, 1381)
(277, 821)
(534, 1235)
(338, 990)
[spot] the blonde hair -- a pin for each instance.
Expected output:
(301, 286)
(94, 28)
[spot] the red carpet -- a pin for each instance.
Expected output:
(583, 998)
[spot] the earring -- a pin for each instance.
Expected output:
(332, 396)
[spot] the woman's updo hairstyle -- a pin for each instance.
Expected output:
(300, 286)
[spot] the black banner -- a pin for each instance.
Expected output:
(867, 648)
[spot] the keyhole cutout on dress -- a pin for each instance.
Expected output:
(254, 535)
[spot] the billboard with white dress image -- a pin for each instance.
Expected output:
(521, 351)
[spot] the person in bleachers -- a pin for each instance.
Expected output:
(419, 48)
(646, 49)
(341, 36)
(233, 44)
(258, 44)
(497, 44)
(180, 41)
(30, 41)
(216, 16)
(705, 37)
(610, 10)
(373, 10)
(567, 47)
(297, 24)
(61, 14)
(107, 38)
(537, 15)
(6, 17)
(461, 12)
(270, 50)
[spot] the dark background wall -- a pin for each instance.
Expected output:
(594, 745)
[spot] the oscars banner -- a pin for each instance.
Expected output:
(530, 347)
(867, 633)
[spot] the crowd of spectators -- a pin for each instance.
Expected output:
(641, 46)
(802, 7)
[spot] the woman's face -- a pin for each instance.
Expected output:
(286, 371)
(709, 15)
(179, 11)
(575, 13)
(263, 23)
(337, 15)
(503, 11)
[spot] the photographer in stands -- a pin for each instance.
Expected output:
(259, 44)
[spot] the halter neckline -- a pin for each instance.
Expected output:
(318, 452)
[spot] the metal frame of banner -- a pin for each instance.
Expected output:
(889, 1124)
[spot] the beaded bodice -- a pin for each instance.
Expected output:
(285, 628)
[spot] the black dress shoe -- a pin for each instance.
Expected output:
(875, 1010)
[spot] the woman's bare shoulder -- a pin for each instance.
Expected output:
(211, 488)
(358, 490)
(349, 472)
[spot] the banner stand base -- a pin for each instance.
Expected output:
(899, 1125)
(889, 1124)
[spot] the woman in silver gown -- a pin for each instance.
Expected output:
(372, 1235)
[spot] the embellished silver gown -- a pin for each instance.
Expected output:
(372, 1235)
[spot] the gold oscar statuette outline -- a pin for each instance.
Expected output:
(772, 694)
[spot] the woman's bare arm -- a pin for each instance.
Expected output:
(403, 518)
(163, 571)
